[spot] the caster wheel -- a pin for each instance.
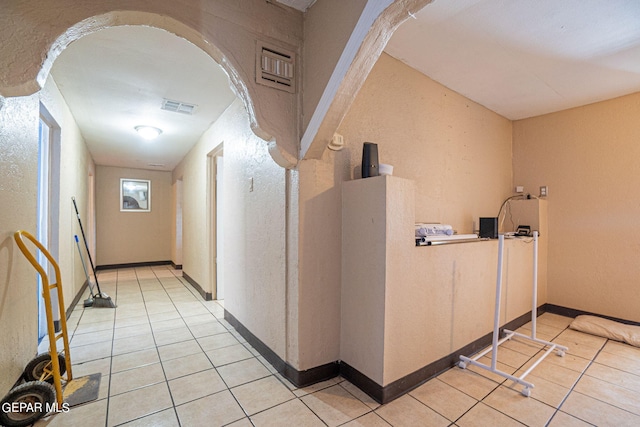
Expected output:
(462, 365)
(40, 368)
(526, 392)
(560, 353)
(31, 401)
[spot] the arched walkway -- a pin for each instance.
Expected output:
(230, 39)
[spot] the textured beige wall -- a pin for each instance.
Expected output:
(254, 226)
(18, 191)
(588, 157)
(75, 165)
(319, 261)
(375, 26)
(130, 237)
(457, 152)
(327, 27)
(404, 307)
(176, 222)
(378, 220)
(18, 195)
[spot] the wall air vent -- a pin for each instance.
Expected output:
(178, 107)
(275, 67)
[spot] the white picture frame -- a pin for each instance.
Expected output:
(135, 195)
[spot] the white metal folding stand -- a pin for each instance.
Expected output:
(560, 350)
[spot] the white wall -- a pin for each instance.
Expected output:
(254, 225)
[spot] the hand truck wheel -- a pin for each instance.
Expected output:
(27, 403)
(41, 369)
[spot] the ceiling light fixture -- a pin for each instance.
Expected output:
(148, 132)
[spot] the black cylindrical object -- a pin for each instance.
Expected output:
(370, 160)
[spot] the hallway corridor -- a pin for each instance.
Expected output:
(168, 358)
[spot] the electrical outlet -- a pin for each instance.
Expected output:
(544, 191)
(519, 189)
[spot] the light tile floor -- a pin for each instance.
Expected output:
(168, 358)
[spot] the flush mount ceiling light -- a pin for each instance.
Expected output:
(148, 132)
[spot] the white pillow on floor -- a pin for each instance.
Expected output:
(607, 328)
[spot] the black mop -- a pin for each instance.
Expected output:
(100, 299)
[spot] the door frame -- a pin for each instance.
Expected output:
(48, 205)
(213, 219)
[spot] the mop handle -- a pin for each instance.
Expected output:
(86, 246)
(84, 266)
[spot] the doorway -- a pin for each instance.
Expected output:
(91, 215)
(216, 221)
(177, 226)
(47, 206)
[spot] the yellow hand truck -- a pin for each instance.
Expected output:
(36, 397)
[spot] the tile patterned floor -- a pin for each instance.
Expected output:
(168, 358)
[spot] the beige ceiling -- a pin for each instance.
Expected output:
(523, 58)
(519, 58)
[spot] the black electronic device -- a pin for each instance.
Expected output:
(489, 228)
(370, 160)
(523, 230)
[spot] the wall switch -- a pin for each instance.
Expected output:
(544, 191)
(519, 189)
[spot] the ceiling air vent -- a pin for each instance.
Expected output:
(275, 67)
(178, 107)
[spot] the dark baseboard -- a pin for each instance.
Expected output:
(176, 266)
(409, 382)
(76, 299)
(572, 312)
(363, 382)
(312, 376)
(132, 264)
(298, 378)
(403, 385)
(205, 295)
(379, 393)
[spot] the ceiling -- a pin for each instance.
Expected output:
(116, 79)
(301, 5)
(519, 58)
(523, 58)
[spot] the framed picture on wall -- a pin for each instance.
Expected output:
(135, 195)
